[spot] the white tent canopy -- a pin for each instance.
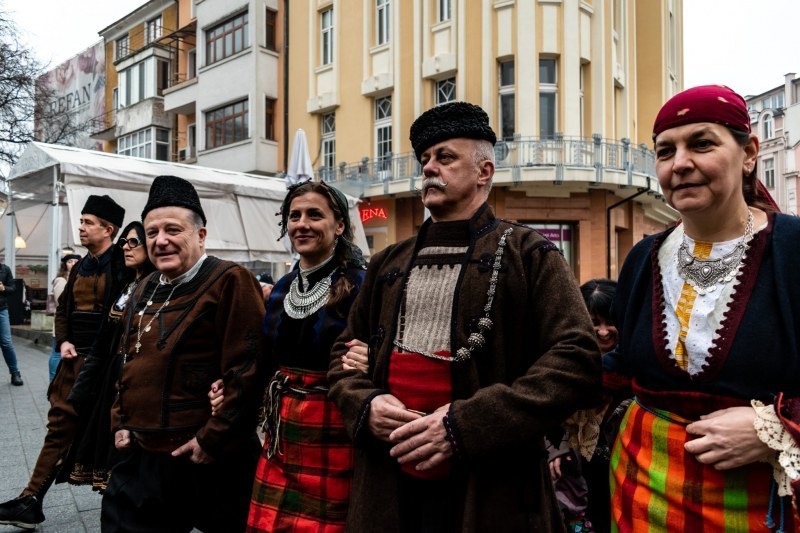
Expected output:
(240, 208)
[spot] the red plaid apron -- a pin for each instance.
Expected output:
(305, 486)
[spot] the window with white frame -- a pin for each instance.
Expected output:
(328, 143)
(326, 37)
(152, 30)
(779, 101)
(269, 118)
(769, 127)
(383, 132)
(443, 10)
(115, 99)
(582, 96)
(767, 103)
(769, 173)
(191, 64)
(137, 82)
(270, 29)
(506, 99)
(122, 47)
(382, 20)
(445, 91)
(145, 143)
(227, 38)
(548, 92)
(227, 124)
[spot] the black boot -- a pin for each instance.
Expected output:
(16, 379)
(24, 511)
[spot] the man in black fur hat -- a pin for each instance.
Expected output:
(470, 362)
(93, 284)
(194, 320)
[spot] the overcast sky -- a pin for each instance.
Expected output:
(745, 44)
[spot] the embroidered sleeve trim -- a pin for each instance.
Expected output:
(451, 435)
(786, 463)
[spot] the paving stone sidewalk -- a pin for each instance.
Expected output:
(23, 418)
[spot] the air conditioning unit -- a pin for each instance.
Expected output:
(183, 154)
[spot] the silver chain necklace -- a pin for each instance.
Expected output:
(705, 274)
(147, 327)
(476, 339)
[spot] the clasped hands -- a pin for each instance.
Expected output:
(416, 438)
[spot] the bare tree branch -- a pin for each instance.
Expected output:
(25, 111)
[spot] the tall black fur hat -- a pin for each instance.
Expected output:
(172, 191)
(450, 121)
(104, 207)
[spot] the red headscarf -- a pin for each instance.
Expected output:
(709, 103)
(706, 103)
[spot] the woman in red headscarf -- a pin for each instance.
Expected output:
(708, 314)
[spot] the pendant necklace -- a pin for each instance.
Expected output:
(147, 327)
(705, 274)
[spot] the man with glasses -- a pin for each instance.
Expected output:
(93, 284)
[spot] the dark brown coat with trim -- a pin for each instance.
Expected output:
(211, 329)
(540, 364)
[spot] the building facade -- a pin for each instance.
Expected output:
(775, 119)
(571, 86)
(196, 81)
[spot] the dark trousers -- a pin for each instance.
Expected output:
(427, 506)
(152, 493)
(62, 425)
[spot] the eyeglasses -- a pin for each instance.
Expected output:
(132, 243)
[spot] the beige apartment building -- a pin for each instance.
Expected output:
(571, 86)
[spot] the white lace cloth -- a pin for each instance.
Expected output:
(583, 430)
(786, 464)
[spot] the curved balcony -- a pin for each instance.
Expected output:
(560, 160)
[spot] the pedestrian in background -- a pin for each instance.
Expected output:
(6, 344)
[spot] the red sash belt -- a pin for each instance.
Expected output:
(422, 384)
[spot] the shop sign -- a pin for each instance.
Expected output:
(369, 213)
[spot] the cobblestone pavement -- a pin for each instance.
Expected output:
(23, 418)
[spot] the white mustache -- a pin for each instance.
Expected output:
(427, 183)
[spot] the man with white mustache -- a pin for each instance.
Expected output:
(479, 343)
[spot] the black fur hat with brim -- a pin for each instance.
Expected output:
(450, 121)
(172, 191)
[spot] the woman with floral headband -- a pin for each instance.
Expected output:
(707, 313)
(303, 477)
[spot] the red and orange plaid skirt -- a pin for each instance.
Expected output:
(305, 485)
(657, 486)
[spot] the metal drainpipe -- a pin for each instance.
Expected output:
(608, 224)
(285, 84)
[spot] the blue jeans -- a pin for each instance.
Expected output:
(5, 342)
(55, 358)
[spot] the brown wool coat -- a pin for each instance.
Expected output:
(541, 363)
(211, 329)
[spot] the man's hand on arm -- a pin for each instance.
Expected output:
(386, 414)
(194, 451)
(423, 441)
(68, 350)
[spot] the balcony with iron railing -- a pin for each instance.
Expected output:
(103, 127)
(594, 161)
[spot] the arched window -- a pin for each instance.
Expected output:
(769, 127)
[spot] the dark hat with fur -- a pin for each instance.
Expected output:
(450, 121)
(172, 191)
(104, 207)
